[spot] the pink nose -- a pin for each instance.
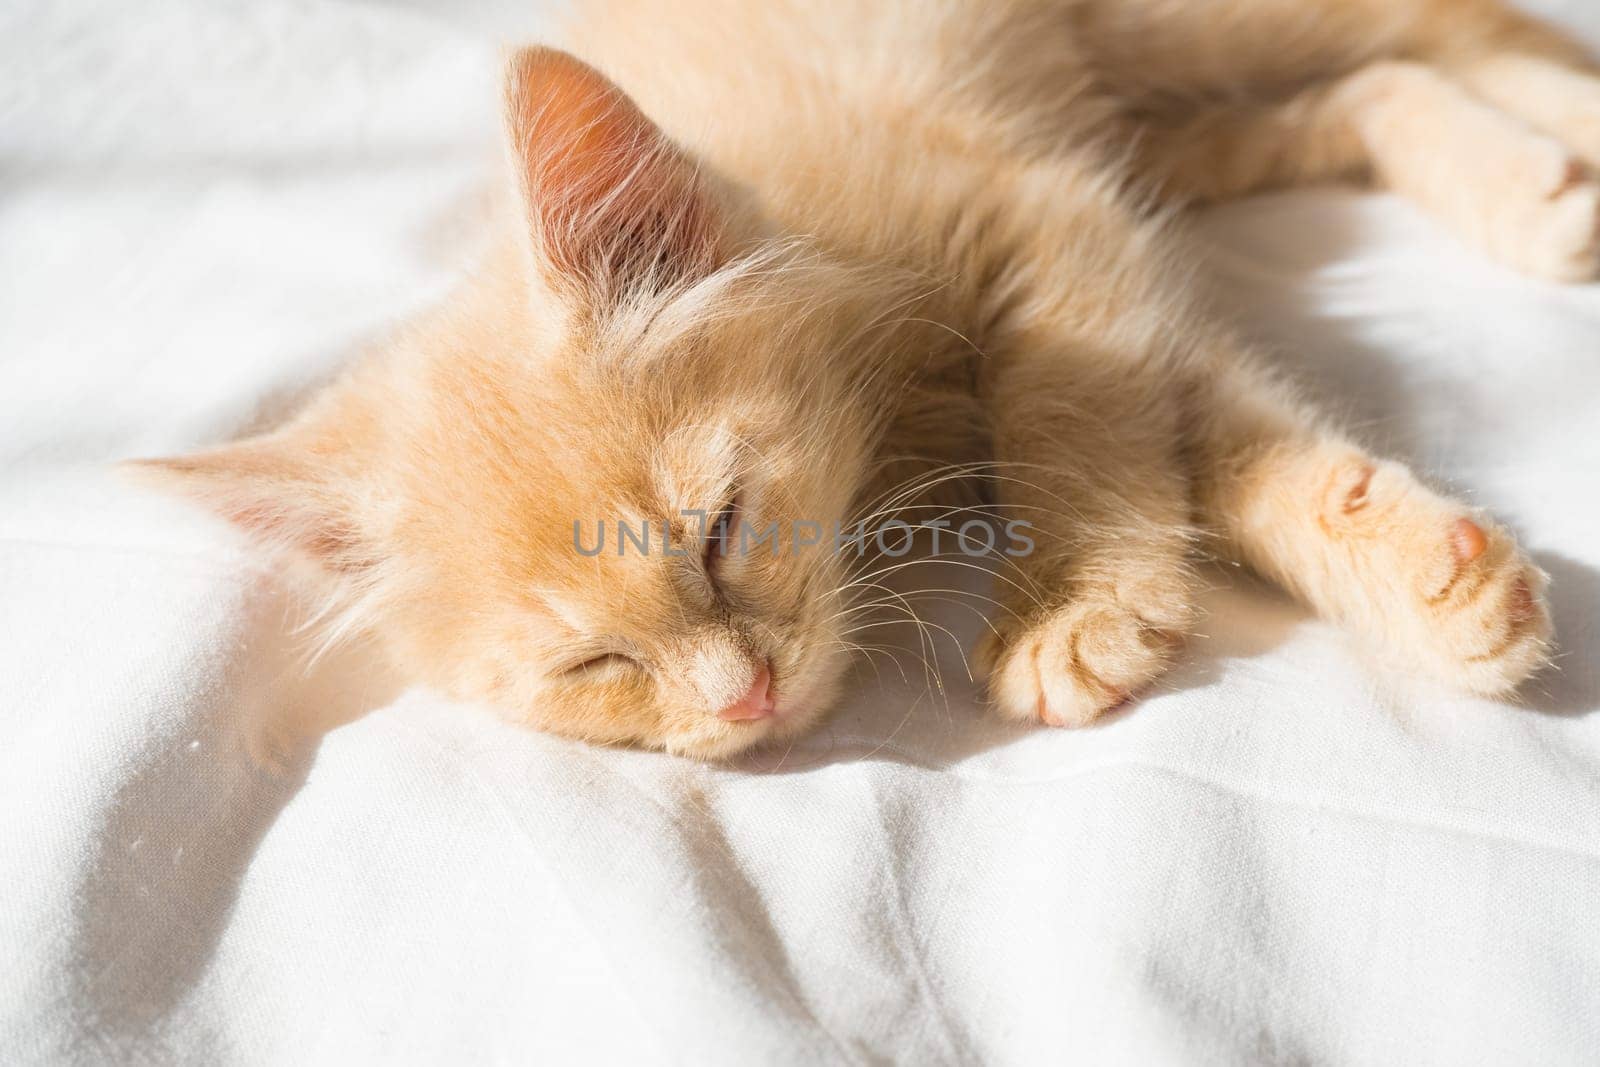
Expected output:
(756, 704)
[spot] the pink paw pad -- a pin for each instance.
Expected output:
(1572, 175)
(1355, 497)
(1468, 540)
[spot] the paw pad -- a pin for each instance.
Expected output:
(1349, 491)
(1572, 175)
(1468, 540)
(1356, 489)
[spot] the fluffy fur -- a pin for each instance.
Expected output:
(885, 247)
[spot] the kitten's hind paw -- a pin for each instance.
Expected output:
(1558, 237)
(1069, 667)
(1538, 211)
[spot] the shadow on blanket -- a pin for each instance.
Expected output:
(189, 820)
(1572, 686)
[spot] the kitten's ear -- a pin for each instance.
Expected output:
(279, 497)
(611, 204)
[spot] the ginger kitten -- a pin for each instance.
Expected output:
(844, 247)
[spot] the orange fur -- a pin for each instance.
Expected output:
(871, 246)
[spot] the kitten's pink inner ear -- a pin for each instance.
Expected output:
(276, 501)
(610, 201)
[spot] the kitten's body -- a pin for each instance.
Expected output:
(903, 237)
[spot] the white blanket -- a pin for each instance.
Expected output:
(1288, 854)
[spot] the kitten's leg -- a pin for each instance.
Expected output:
(1087, 456)
(1435, 583)
(1519, 194)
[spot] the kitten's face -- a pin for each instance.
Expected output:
(628, 378)
(583, 531)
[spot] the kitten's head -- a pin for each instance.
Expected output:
(644, 353)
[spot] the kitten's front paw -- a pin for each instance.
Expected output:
(1453, 591)
(1489, 623)
(1072, 665)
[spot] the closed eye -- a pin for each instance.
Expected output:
(604, 663)
(721, 536)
